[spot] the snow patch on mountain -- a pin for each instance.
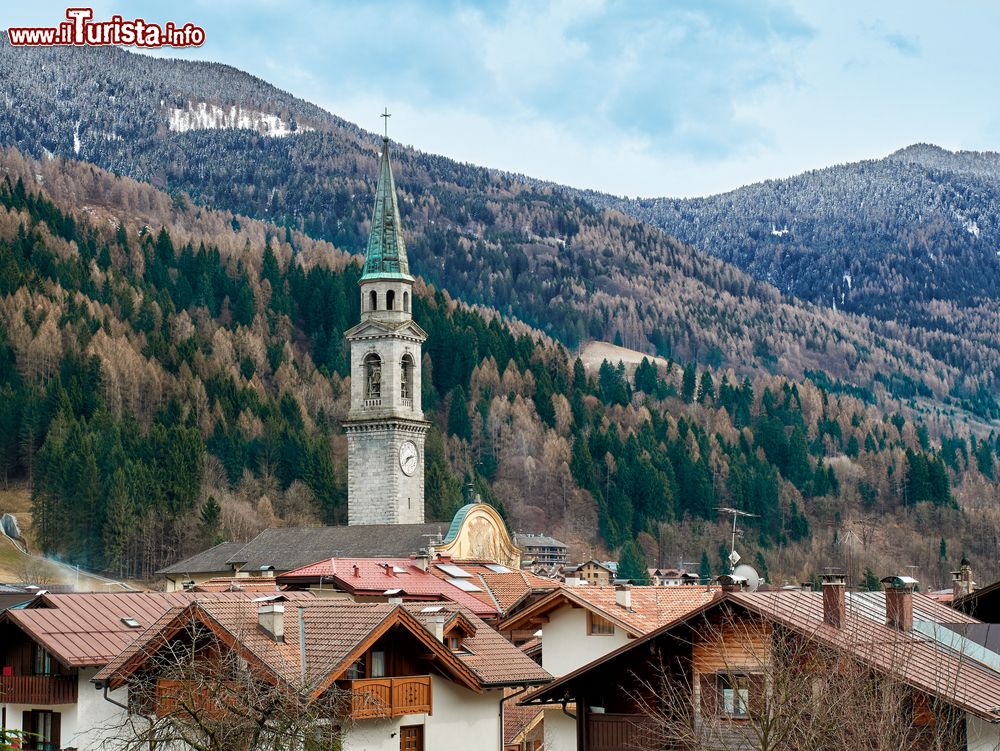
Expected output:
(205, 116)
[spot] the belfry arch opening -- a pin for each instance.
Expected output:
(406, 378)
(406, 302)
(390, 300)
(373, 377)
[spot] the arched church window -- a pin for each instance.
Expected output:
(373, 300)
(390, 300)
(406, 378)
(373, 377)
(406, 302)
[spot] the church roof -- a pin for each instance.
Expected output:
(288, 548)
(456, 523)
(386, 255)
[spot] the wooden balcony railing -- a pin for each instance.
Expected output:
(390, 697)
(38, 689)
(613, 732)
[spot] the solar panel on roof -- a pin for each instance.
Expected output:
(464, 585)
(454, 571)
(496, 568)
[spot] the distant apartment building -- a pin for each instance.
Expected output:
(541, 550)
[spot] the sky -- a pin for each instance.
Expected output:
(632, 97)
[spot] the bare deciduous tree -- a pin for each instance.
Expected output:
(198, 693)
(749, 684)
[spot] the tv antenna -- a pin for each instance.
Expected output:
(734, 557)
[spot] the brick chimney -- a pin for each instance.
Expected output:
(834, 599)
(899, 601)
(271, 618)
(623, 595)
(961, 580)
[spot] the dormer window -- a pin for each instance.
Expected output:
(454, 642)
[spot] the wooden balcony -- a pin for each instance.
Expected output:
(39, 690)
(390, 697)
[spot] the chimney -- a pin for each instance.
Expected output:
(357, 571)
(271, 618)
(834, 608)
(389, 569)
(623, 595)
(437, 627)
(961, 580)
(731, 583)
(899, 601)
(421, 560)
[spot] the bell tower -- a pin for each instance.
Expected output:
(385, 426)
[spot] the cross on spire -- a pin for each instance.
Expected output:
(385, 115)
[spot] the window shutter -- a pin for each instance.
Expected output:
(56, 736)
(757, 690)
(709, 696)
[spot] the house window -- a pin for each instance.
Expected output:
(598, 626)
(43, 727)
(378, 663)
(734, 690)
(43, 661)
(454, 642)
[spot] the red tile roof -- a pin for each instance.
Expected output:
(377, 576)
(652, 607)
(83, 630)
(257, 584)
(334, 630)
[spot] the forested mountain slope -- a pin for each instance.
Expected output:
(170, 375)
(912, 239)
(537, 252)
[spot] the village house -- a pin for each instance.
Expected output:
(541, 550)
(597, 573)
(672, 577)
(809, 666)
(575, 625)
(414, 675)
(52, 648)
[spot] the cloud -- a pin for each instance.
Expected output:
(902, 43)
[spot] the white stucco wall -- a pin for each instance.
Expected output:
(461, 719)
(981, 735)
(568, 645)
(83, 724)
(560, 731)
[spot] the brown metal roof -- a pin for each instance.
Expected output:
(928, 664)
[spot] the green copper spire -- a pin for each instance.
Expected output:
(386, 249)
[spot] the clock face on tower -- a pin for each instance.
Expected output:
(408, 458)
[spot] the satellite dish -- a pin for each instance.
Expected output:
(750, 574)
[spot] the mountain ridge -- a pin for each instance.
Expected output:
(542, 254)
